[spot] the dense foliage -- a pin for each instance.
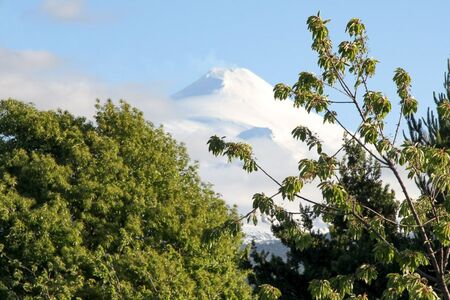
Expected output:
(107, 210)
(425, 220)
(434, 131)
(336, 252)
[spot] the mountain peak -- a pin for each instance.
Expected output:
(223, 80)
(256, 133)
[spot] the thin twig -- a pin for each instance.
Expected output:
(350, 95)
(337, 152)
(254, 210)
(267, 174)
(340, 102)
(297, 195)
(398, 125)
(359, 142)
(426, 240)
(335, 88)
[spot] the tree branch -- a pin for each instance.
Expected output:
(398, 125)
(359, 142)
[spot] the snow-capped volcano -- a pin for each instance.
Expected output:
(256, 133)
(222, 80)
(240, 105)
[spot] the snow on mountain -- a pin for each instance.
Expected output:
(240, 96)
(206, 85)
(238, 104)
(256, 133)
(220, 80)
(264, 239)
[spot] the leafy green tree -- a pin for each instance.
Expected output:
(433, 131)
(336, 252)
(425, 220)
(107, 210)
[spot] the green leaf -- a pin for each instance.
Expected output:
(442, 232)
(308, 169)
(377, 104)
(343, 284)
(410, 260)
(330, 117)
(355, 27)
(369, 132)
(403, 82)
(369, 66)
(263, 203)
(444, 109)
(383, 253)
(281, 91)
(320, 289)
(216, 145)
(409, 106)
(366, 273)
(304, 134)
(348, 50)
(291, 186)
(334, 194)
(268, 292)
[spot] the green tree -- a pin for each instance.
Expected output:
(107, 210)
(424, 220)
(432, 131)
(336, 252)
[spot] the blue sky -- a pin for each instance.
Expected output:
(169, 44)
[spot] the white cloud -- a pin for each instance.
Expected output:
(64, 10)
(26, 61)
(42, 78)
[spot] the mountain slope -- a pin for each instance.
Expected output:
(238, 104)
(240, 96)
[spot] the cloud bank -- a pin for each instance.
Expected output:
(44, 79)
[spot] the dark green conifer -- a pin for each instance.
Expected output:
(338, 251)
